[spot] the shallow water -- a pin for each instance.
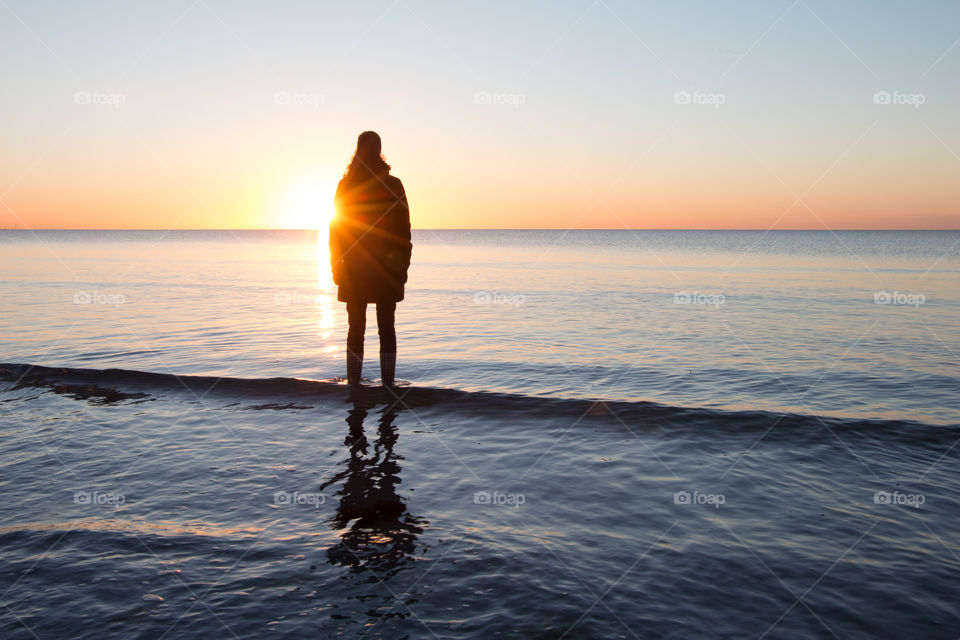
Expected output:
(195, 507)
(581, 451)
(779, 321)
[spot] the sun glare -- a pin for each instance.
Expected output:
(307, 206)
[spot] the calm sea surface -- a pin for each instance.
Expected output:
(605, 434)
(779, 321)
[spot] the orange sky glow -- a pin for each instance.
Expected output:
(246, 119)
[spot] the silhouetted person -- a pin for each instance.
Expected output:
(370, 252)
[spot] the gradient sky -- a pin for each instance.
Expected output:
(243, 114)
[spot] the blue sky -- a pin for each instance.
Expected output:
(583, 127)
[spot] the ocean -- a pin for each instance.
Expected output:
(599, 434)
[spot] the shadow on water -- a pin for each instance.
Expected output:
(379, 534)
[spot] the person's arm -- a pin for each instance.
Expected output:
(403, 230)
(334, 243)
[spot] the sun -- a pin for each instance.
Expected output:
(308, 205)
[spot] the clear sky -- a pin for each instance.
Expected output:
(515, 114)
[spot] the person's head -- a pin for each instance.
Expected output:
(368, 157)
(369, 145)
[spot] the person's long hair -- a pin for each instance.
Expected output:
(367, 159)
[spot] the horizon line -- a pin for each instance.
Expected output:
(829, 230)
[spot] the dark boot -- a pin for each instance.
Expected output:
(354, 367)
(388, 367)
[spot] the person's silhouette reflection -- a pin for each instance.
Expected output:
(383, 534)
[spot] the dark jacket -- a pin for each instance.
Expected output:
(370, 239)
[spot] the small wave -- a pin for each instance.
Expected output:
(280, 393)
(107, 355)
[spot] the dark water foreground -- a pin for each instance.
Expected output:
(144, 505)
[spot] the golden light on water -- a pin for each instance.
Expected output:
(324, 277)
(327, 296)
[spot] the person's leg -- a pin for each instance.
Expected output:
(357, 326)
(386, 316)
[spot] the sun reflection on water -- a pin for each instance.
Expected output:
(324, 277)
(326, 296)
